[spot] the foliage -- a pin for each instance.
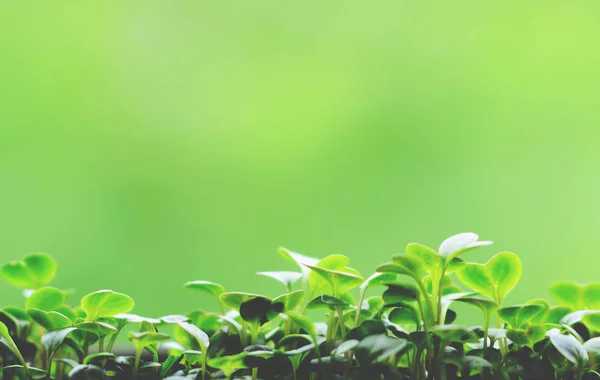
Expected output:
(407, 330)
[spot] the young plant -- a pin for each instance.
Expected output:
(408, 330)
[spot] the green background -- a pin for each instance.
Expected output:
(146, 144)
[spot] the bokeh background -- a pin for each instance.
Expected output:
(145, 144)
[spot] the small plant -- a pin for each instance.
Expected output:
(406, 330)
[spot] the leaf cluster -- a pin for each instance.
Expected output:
(329, 322)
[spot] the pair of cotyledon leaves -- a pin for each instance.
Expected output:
(493, 279)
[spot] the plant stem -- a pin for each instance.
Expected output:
(138, 357)
(86, 343)
(486, 327)
(101, 344)
(431, 315)
(427, 335)
(361, 298)
(440, 288)
(341, 322)
(112, 340)
(330, 328)
(254, 330)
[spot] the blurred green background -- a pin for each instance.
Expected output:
(146, 144)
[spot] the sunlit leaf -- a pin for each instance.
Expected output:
(495, 278)
(47, 299)
(200, 336)
(518, 315)
(105, 303)
(34, 271)
(286, 278)
(459, 243)
(205, 287)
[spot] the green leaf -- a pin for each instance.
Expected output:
(286, 278)
(345, 347)
(404, 265)
(405, 314)
(398, 293)
(133, 318)
(53, 340)
(468, 364)
(23, 372)
(570, 348)
(367, 328)
(590, 295)
(378, 279)
(88, 372)
(205, 287)
(105, 303)
(556, 313)
(200, 336)
(304, 323)
(431, 259)
(567, 293)
(337, 275)
(577, 316)
(495, 278)
(518, 315)
(526, 337)
(260, 310)
(541, 317)
(291, 300)
(146, 338)
(50, 320)
(229, 363)
(455, 333)
(7, 340)
(299, 259)
(460, 243)
(97, 328)
(47, 299)
(99, 357)
(173, 318)
(235, 299)
(34, 271)
(485, 304)
(327, 302)
(377, 348)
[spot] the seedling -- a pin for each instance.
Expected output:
(398, 323)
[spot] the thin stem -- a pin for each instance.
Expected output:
(113, 339)
(49, 370)
(138, 357)
(426, 298)
(204, 359)
(86, 343)
(427, 335)
(361, 298)
(439, 298)
(101, 344)
(341, 321)
(486, 327)
(329, 334)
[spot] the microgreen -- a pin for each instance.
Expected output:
(404, 324)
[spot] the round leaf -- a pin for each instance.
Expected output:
(46, 299)
(34, 271)
(495, 278)
(206, 287)
(105, 303)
